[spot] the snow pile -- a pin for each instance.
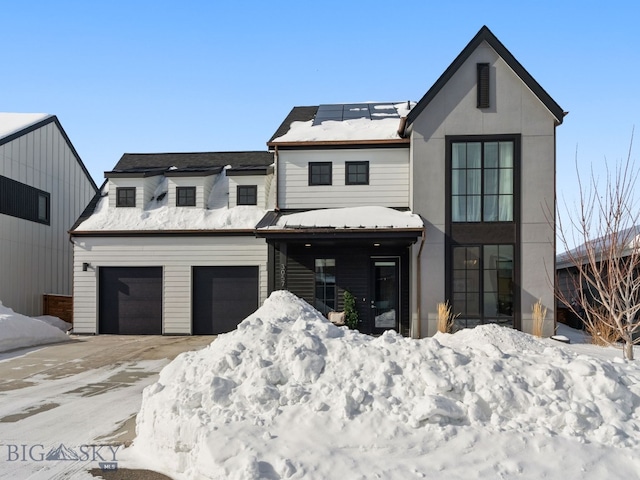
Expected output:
(351, 217)
(157, 214)
(55, 322)
(289, 395)
(380, 128)
(17, 331)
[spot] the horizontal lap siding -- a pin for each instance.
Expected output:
(175, 255)
(388, 179)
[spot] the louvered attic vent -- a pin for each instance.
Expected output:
(483, 85)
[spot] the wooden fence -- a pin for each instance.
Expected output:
(60, 306)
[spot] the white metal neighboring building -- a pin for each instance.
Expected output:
(44, 187)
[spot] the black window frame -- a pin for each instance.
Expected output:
(472, 276)
(185, 196)
(20, 200)
(483, 85)
(356, 178)
(247, 195)
(44, 216)
(124, 199)
(483, 171)
(319, 178)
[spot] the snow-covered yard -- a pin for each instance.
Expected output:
(289, 395)
(17, 331)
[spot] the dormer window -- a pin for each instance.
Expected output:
(126, 197)
(247, 195)
(185, 196)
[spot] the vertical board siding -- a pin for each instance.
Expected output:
(177, 256)
(353, 273)
(388, 179)
(37, 256)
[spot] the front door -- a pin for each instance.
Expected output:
(385, 298)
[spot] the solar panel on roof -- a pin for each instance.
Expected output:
(351, 111)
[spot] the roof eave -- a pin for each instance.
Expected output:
(389, 141)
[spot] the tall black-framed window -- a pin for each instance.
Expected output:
(483, 284)
(185, 196)
(125, 196)
(482, 181)
(356, 173)
(247, 195)
(325, 285)
(320, 173)
(44, 207)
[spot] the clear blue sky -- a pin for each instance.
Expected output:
(159, 76)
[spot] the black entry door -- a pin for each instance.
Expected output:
(385, 294)
(223, 297)
(130, 300)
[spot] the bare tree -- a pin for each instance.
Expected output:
(605, 284)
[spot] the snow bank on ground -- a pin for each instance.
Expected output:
(18, 331)
(289, 395)
(157, 214)
(55, 322)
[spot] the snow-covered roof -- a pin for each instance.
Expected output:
(11, 123)
(158, 215)
(349, 218)
(344, 122)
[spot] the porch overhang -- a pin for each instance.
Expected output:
(303, 235)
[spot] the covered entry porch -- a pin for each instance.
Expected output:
(321, 265)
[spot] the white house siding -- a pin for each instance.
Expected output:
(388, 179)
(175, 254)
(35, 258)
(514, 110)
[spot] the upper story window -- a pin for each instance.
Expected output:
(482, 181)
(43, 207)
(483, 85)
(185, 196)
(320, 173)
(126, 197)
(247, 195)
(356, 173)
(24, 201)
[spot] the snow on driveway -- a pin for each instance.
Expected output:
(75, 402)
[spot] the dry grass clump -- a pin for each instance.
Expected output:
(539, 315)
(602, 333)
(446, 318)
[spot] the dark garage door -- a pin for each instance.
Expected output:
(223, 297)
(130, 301)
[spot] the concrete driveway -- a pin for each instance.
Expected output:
(70, 407)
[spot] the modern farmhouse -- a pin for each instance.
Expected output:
(403, 204)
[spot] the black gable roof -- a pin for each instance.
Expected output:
(198, 161)
(485, 35)
(297, 114)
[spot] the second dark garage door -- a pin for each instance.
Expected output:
(223, 297)
(130, 301)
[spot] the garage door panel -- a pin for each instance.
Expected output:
(130, 300)
(223, 297)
